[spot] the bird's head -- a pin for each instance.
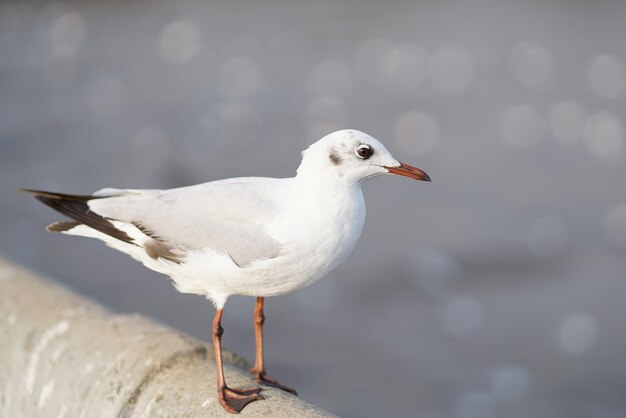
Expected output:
(353, 156)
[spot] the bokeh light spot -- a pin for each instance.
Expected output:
(604, 136)
(434, 271)
(240, 78)
(534, 66)
(511, 383)
(67, 34)
(463, 316)
(606, 76)
(577, 334)
(179, 42)
(406, 65)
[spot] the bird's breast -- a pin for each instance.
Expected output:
(324, 232)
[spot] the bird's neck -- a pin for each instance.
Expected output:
(323, 183)
(331, 196)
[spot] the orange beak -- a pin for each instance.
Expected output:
(409, 171)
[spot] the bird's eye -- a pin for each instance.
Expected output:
(364, 151)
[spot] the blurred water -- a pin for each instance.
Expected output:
(495, 291)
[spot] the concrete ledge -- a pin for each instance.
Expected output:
(64, 356)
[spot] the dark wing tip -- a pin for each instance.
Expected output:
(32, 191)
(62, 226)
(60, 196)
(77, 208)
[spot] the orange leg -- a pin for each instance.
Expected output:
(232, 399)
(259, 365)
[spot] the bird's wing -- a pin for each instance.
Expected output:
(226, 216)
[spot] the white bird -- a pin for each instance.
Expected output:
(249, 236)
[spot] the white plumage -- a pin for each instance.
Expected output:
(249, 236)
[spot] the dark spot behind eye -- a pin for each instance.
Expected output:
(334, 157)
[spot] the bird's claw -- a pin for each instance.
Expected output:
(235, 399)
(264, 379)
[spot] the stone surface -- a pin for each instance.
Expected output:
(64, 356)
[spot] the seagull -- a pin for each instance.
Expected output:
(251, 236)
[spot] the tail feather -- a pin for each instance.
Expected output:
(77, 208)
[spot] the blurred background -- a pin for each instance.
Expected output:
(496, 291)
